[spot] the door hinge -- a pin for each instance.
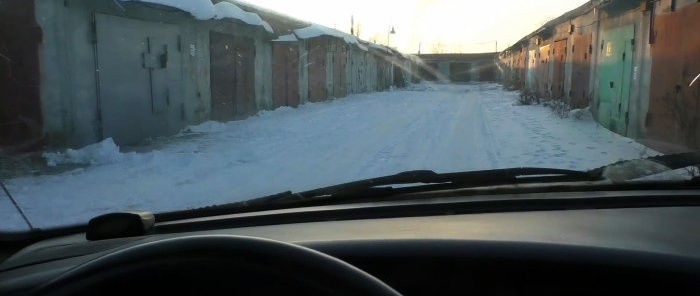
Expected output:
(179, 43)
(624, 56)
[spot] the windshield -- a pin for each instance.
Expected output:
(170, 105)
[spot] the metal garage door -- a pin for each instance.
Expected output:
(140, 78)
(340, 60)
(285, 75)
(559, 59)
(232, 76)
(317, 70)
(615, 76)
(581, 69)
(222, 73)
(543, 72)
(674, 107)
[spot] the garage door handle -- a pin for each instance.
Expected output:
(612, 84)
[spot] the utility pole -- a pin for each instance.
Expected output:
(352, 25)
(388, 36)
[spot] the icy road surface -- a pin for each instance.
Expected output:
(445, 128)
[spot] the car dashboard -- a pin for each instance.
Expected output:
(611, 251)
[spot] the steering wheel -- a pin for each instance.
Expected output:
(236, 264)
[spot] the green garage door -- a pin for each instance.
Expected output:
(615, 74)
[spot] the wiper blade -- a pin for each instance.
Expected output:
(425, 180)
(376, 188)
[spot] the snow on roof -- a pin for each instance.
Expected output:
(267, 26)
(205, 10)
(286, 38)
(200, 9)
(362, 46)
(380, 47)
(230, 10)
(314, 31)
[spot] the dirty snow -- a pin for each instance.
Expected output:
(100, 153)
(445, 128)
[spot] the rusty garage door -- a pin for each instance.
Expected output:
(317, 70)
(559, 62)
(674, 110)
(146, 57)
(285, 74)
(232, 76)
(543, 71)
(581, 68)
(340, 59)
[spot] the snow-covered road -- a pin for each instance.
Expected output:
(444, 128)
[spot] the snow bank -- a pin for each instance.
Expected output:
(200, 9)
(226, 10)
(581, 114)
(207, 127)
(99, 153)
(314, 31)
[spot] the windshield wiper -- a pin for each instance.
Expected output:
(382, 187)
(425, 180)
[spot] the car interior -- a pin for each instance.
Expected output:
(445, 243)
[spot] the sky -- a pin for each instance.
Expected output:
(434, 25)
